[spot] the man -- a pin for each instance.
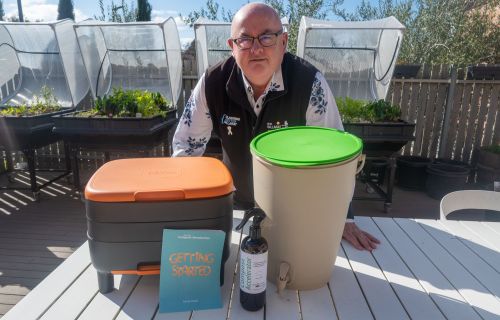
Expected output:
(260, 87)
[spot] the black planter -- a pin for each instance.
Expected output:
(443, 178)
(112, 134)
(487, 166)
(411, 172)
(18, 133)
(374, 170)
(483, 72)
(113, 131)
(406, 71)
(384, 138)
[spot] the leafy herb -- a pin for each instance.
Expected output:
(352, 111)
(129, 103)
(382, 110)
(43, 103)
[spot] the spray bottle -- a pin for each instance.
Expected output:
(253, 263)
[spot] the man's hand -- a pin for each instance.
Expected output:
(360, 239)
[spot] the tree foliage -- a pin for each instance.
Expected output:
(294, 10)
(212, 11)
(2, 13)
(121, 12)
(65, 10)
(143, 10)
(439, 31)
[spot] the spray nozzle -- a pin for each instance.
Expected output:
(258, 215)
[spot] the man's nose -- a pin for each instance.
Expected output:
(256, 46)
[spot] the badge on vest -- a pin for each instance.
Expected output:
(277, 125)
(229, 122)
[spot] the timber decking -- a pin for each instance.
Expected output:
(35, 237)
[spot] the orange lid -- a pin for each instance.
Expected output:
(159, 179)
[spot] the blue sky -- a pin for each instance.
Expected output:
(46, 10)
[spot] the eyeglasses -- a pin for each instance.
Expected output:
(265, 40)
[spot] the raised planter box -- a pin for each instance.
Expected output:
(18, 133)
(113, 131)
(111, 134)
(483, 72)
(384, 138)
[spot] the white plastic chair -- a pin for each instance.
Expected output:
(469, 199)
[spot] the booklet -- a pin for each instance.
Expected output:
(190, 270)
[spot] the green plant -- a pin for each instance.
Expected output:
(45, 102)
(352, 110)
(129, 103)
(382, 110)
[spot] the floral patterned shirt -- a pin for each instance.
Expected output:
(195, 125)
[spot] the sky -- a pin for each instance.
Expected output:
(46, 10)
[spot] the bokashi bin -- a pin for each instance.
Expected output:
(303, 180)
(130, 201)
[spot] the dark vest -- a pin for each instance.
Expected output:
(235, 122)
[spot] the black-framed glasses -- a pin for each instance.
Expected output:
(265, 40)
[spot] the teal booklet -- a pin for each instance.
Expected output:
(190, 270)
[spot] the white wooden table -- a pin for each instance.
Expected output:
(424, 269)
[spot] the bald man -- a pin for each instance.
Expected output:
(261, 87)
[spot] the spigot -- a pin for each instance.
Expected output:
(283, 277)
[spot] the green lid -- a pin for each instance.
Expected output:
(306, 146)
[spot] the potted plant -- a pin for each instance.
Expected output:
(377, 123)
(30, 125)
(123, 116)
(488, 164)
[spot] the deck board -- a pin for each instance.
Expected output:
(413, 296)
(107, 306)
(474, 293)
(378, 292)
(450, 302)
(35, 237)
(410, 265)
(348, 299)
(479, 269)
(475, 243)
(143, 302)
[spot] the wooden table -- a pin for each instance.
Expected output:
(424, 269)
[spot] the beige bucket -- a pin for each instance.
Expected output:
(306, 209)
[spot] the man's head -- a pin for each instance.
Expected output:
(254, 30)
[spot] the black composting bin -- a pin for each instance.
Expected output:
(374, 170)
(130, 201)
(411, 171)
(445, 176)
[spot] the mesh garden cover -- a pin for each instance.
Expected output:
(33, 55)
(139, 55)
(357, 58)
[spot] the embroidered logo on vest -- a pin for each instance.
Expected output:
(277, 125)
(229, 121)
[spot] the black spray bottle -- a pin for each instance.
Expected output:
(253, 263)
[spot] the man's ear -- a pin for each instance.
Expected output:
(285, 39)
(230, 43)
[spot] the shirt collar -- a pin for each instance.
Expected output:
(275, 84)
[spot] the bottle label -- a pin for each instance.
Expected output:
(253, 272)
